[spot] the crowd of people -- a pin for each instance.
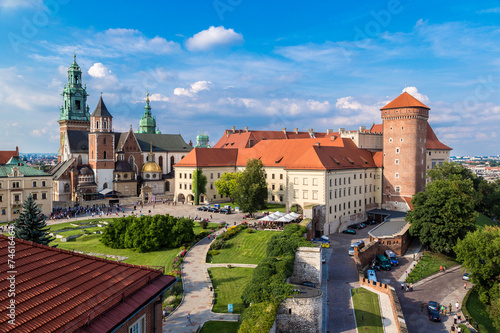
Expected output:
(91, 211)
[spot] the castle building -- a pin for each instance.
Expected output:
(17, 181)
(347, 172)
(94, 160)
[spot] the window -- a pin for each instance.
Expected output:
(390, 139)
(1, 198)
(396, 175)
(105, 125)
(97, 124)
(180, 175)
(396, 161)
(296, 181)
(3, 211)
(272, 187)
(34, 183)
(16, 197)
(355, 188)
(211, 176)
(185, 186)
(304, 182)
(190, 186)
(272, 176)
(34, 195)
(349, 191)
(429, 153)
(330, 195)
(105, 155)
(105, 140)
(296, 194)
(401, 140)
(77, 104)
(315, 195)
(44, 196)
(185, 175)
(218, 175)
(305, 195)
(349, 180)
(273, 198)
(139, 326)
(397, 150)
(0, 184)
(330, 209)
(281, 187)
(330, 183)
(211, 186)
(397, 188)
(335, 181)
(315, 181)
(15, 184)
(281, 198)
(281, 176)
(43, 184)
(180, 186)
(190, 176)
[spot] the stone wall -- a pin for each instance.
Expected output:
(393, 297)
(300, 315)
(307, 266)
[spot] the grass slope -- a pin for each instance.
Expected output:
(245, 248)
(229, 284)
(367, 311)
(483, 220)
(220, 327)
(428, 265)
(479, 312)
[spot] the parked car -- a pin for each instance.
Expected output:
(383, 262)
(392, 257)
(371, 275)
(213, 210)
(225, 211)
(358, 244)
(466, 276)
(361, 225)
(203, 208)
(349, 231)
(354, 226)
(433, 311)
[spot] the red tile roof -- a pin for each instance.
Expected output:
(404, 100)
(6, 155)
(408, 202)
(378, 158)
(377, 128)
(242, 138)
(433, 141)
(58, 290)
(209, 157)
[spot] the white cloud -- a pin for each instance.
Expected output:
(39, 132)
(212, 38)
(13, 4)
(348, 103)
(99, 70)
(495, 10)
(158, 98)
(194, 89)
(414, 92)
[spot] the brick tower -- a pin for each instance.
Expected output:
(101, 146)
(74, 114)
(404, 146)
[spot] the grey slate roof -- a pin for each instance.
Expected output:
(63, 168)
(162, 142)
(394, 223)
(101, 110)
(78, 141)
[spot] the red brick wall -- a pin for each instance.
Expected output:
(149, 311)
(96, 145)
(409, 124)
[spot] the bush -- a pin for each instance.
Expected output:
(250, 231)
(204, 224)
(258, 318)
(218, 244)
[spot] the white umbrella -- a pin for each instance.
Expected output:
(267, 218)
(276, 215)
(286, 218)
(294, 215)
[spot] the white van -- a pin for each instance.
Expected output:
(359, 244)
(392, 257)
(371, 275)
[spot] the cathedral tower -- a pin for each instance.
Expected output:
(147, 123)
(74, 114)
(404, 146)
(101, 146)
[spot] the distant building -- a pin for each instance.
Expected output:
(17, 181)
(93, 157)
(347, 172)
(63, 291)
(202, 141)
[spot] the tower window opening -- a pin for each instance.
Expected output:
(77, 105)
(97, 124)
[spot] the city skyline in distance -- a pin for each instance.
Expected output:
(240, 64)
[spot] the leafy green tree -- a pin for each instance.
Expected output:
(226, 184)
(479, 252)
(31, 225)
(443, 213)
(258, 318)
(199, 185)
(251, 190)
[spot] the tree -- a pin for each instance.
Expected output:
(226, 184)
(251, 190)
(443, 213)
(199, 185)
(31, 225)
(479, 252)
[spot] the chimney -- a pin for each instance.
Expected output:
(233, 129)
(311, 130)
(318, 144)
(284, 130)
(342, 129)
(329, 131)
(246, 129)
(227, 133)
(296, 130)
(362, 128)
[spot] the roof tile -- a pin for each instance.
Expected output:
(404, 100)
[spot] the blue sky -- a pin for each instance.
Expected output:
(210, 65)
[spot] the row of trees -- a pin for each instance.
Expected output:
(148, 233)
(248, 189)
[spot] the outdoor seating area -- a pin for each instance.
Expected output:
(277, 220)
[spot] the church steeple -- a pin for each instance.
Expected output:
(74, 96)
(147, 124)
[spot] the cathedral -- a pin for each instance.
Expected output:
(95, 161)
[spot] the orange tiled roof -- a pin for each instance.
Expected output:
(6, 155)
(378, 158)
(433, 141)
(377, 128)
(58, 290)
(403, 101)
(408, 202)
(209, 157)
(242, 138)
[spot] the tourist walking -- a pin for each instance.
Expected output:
(455, 318)
(189, 320)
(457, 306)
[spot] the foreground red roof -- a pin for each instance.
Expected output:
(57, 290)
(405, 100)
(433, 141)
(6, 155)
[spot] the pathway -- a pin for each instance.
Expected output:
(198, 298)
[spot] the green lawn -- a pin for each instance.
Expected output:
(229, 284)
(367, 311)
(220, 327)
(197, 228)
(428, 265)
(482, 221)
(244, 248)
(478, 311)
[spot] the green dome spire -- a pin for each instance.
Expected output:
(147, 124)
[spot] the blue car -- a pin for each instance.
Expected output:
(433, 311)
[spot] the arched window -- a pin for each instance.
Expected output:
(105, 186)
(97, 124)
(66, 187)
(92, 155)
(160, 162)
(131, 162)
(172, 163)
(105, 154)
